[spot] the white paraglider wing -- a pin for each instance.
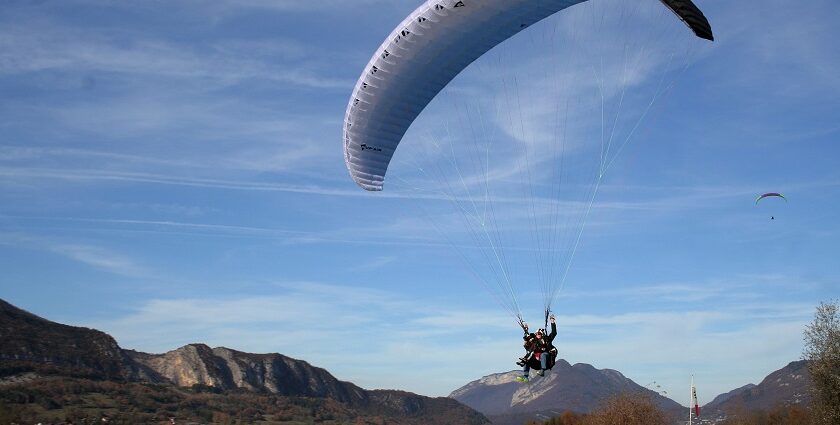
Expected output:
(423, 54)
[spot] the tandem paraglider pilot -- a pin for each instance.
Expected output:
(540, 351)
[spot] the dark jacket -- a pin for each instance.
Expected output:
(529, 342)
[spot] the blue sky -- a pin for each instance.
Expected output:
(172, 173)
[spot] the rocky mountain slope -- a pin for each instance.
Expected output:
(726, 396)
(226, 369)
(36, 344)
(581, 388)
(786, 386)
(35, 348)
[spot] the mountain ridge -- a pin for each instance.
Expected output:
(786, 386)
(581, 388)
(36, 349)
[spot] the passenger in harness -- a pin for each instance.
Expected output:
(529, 344)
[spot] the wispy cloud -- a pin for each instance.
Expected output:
(326, 6)
(668, 347)
(67, 49)
(97, 257)
(100, 258)
(131, 98)
(388, 326)
(116, 176)
(375, 263)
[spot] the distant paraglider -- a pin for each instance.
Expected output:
(770, 195)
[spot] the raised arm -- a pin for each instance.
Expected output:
(553, 329)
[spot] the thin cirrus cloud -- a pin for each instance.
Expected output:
(142, 108)
(670, 347)
(345, 316)
(404, 228)
(46, 46)
(246, 137)
(138, 177)
(446, 333)
(100, 258)
(90, 255)
(293, 303)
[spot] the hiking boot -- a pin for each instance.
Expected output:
(523, 379)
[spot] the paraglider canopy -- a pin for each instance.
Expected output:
(424, 53)
(769, 195)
